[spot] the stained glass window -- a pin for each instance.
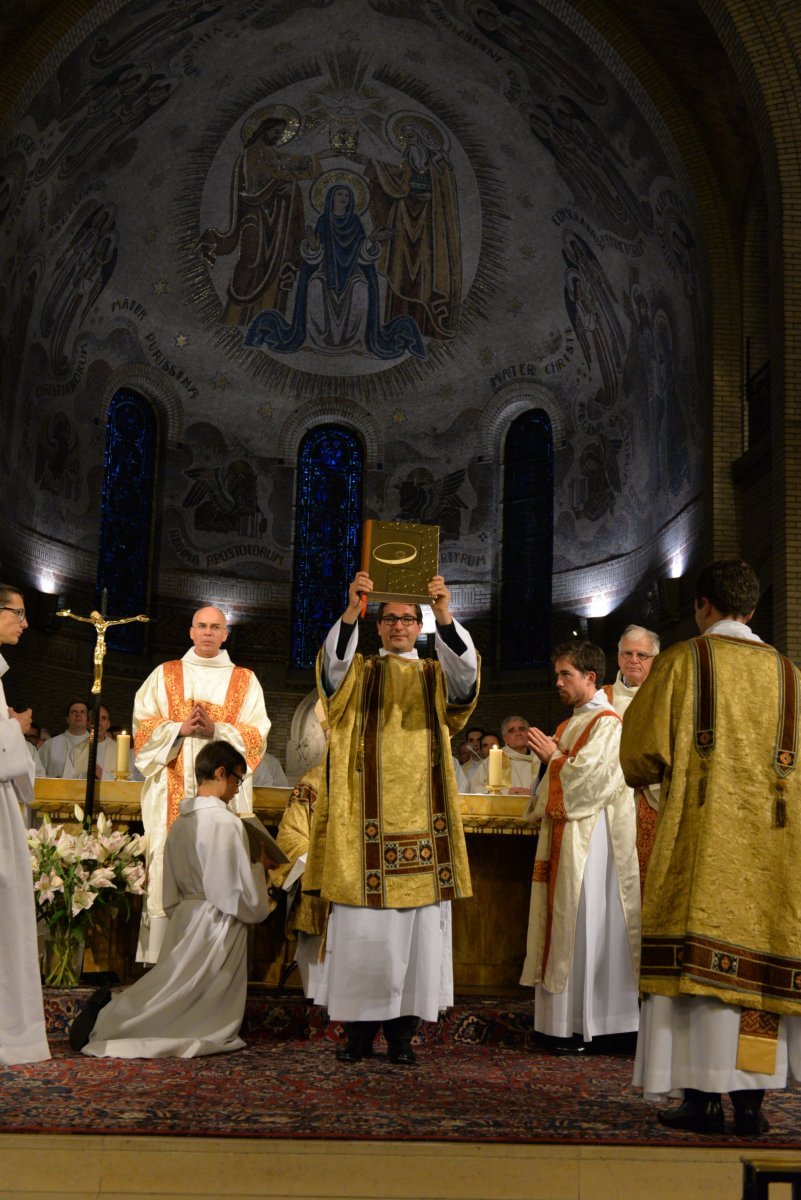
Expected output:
(126, 505)
(328, 516)
(527, 556)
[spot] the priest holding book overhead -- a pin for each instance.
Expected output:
(387, 846)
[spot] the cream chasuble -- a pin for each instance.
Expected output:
(233, 699)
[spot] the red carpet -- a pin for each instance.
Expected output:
(479, 1078)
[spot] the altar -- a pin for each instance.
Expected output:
(489, 929)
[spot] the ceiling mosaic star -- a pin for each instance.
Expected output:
(399, 416)
(220, 382)
(159, 287)
(266, 409)
(181, 340)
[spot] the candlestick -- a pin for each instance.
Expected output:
(123, 752)
(495, 769)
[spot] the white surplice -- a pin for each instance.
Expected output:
(270, 773)
(193, 1000)
(383, 963)
(205, 679)
(691, 1041)
(22, 1023)
(56, 755)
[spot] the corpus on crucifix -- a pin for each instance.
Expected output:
(101, 623)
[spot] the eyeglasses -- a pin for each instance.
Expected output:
(636, 655)
(240, 779)
(19, 613)
(406, 620)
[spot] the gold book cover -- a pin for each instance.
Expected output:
(400, 558)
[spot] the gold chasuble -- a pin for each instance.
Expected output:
(387, 831)
(717, 722)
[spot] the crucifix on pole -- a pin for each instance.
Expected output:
(101, 624)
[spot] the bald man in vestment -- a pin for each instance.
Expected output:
(179, 708)
(717, 724)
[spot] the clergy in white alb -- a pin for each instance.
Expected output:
(57, 753)
(106, 757)
(717, 723)
(519, 767)
(582, 954)
(270, 773)
(387, 843)
(636, 650)
(182, 705)
(22, 1023)
(193, 1001)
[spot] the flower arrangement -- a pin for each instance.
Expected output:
(73, 875)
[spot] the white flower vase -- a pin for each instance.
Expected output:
(63, 957)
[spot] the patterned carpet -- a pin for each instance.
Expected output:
(480, 1077)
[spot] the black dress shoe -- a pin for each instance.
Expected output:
(699, 1112)
(749, 1120)
(401, 1053)
(354, 1050)
(563, 1047)
(81, 1028)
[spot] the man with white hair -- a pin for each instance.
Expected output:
(520, 768)
(181, 706)
(636, 651)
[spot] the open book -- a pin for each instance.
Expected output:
(258, 836)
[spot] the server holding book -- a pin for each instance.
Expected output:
(387, 846)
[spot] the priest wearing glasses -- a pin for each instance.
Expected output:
(636, 651)
(387, 845)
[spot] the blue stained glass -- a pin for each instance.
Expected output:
(527, 558)
(328, 516)
(126, 505)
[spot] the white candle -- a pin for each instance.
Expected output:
(123, 751)
(495, 777)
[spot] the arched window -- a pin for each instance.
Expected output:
(328, 515)
(527, 553)
(126, 506)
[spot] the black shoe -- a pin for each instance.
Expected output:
(749, 1120)
(699, 1112)
(354, 1050)
(81, 1028)
(563, 1047)
(401, 1053)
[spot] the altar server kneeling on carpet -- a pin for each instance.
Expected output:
(193, 1000)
